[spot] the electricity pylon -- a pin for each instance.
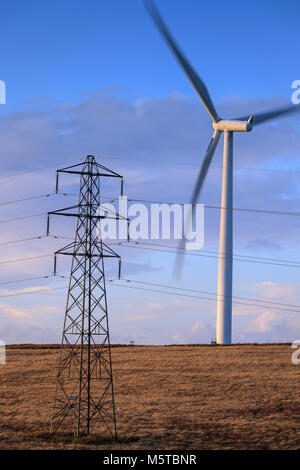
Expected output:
(84, 397)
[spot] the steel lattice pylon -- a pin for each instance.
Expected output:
(84, 397)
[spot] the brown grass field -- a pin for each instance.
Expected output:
(167, 397)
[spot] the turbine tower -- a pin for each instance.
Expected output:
(228, 127)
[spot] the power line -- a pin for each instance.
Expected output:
(262, 301)
(158, 162)
(39, 237)
(190, 164)
(39, 196)
(206, 206)
(259, 258)
(217, 253)
(26, 199)
(126, 245)
(46, 276)
(32, 292)
(278, 261)
(201, 297)
(111, 282)
(25, 259)
(22, 240)
(112, 199)
(22, 218)
(38, 169)
(256, 259)
(157, 247)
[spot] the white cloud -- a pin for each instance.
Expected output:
(263, 322)
(277, 290)
(14, 311)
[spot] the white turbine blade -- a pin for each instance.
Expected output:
(197, 82)
(205, 165)
(196, 193)
(268, 115)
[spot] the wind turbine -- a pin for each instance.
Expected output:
(228, 127)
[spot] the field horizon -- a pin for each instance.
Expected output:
(124, 345)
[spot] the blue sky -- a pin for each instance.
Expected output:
(63, 50)
(96, 77)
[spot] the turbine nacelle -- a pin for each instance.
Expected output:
(233, 125)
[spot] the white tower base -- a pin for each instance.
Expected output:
(224, 305)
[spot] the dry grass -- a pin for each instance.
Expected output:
(177, 397)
